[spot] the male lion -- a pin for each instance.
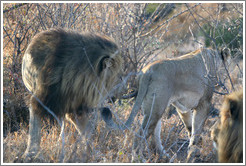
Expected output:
(186, 82)
(68, 73)
(227, 133)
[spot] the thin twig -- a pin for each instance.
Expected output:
(14, 7)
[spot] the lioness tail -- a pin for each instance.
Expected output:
(143, 87)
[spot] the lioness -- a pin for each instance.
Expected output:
(227, 133)
(186, 82)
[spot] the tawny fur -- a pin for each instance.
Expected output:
(186, 82)
(71, 73)
(228, 131)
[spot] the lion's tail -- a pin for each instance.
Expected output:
(143, 87)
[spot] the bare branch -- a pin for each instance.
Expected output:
(14, 7)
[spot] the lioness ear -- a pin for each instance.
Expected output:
(105, 62)
(225, 53)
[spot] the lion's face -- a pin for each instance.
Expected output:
(113, 75)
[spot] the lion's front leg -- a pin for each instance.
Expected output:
(34, 137)
(79, 121)
(83, 125)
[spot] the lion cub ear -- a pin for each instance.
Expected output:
(225, 53)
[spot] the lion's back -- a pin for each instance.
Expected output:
(63, 67)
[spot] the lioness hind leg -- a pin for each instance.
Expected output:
(151, 126)
(147, 129)
(187, 120)
(34, 138)
(200, 115)
(156, 138)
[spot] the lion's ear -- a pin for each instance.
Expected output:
(105, 62)
(108, 63)
(225, 53)
(234, 108)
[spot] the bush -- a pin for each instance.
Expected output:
(227, 34)
(150, 9)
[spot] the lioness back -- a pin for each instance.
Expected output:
(188, 68)
(193, 59)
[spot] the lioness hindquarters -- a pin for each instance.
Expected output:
(70, 73)
(228, 131)
(186, 82)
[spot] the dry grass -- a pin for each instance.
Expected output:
(103, 145)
